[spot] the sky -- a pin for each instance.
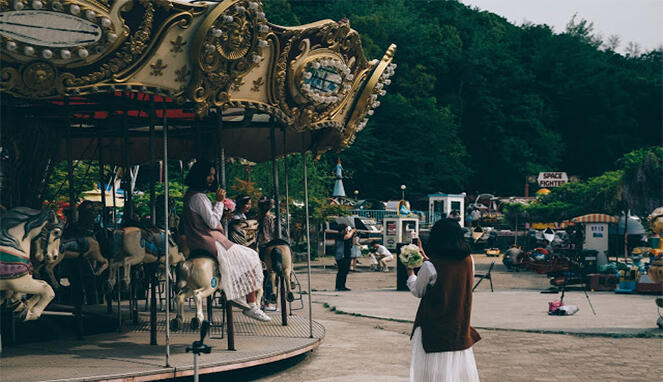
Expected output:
(639, 21)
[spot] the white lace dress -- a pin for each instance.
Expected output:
(450, 366)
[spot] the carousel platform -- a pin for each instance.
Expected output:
(127, 355)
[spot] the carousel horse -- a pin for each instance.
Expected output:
(154, 248)
(278, 261)
(19, 227)
(127, 249)
(78, 240)
(197, 277)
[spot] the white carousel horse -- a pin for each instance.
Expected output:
(199, 278)
(278, 261)
(18, 228)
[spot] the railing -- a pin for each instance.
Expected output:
(378, 215)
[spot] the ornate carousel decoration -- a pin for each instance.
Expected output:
(312, 78)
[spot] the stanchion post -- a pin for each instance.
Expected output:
(166, 228)
(308, 242)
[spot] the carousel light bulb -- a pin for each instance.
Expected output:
(105, 22)
(387, 81)
(376, 104)
(18, 5)
(264, 28)
(383, 92)
(370, 112)
(316, 65)
(65, 54)
(143, 89)
(253, 5)
(308, 75)
(216, 32)
(240, 9)
(82, 53)
(29, 51)
(47, 53)
(11, 46)
(256, 58)
(111, 37)
(263, 43)
(227, 18)
(374, 61)
(260, 15)
(36, 4)
(209, 47)
(373, 98)
(90, 14)
(351, 77)
(379, 85)
(75, 9)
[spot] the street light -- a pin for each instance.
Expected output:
(403, 191)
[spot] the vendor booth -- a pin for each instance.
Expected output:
(596, 234)
(440, 205)
(399, 229)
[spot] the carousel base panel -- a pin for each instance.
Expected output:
(128, 356)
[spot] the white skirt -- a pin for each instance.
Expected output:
(241, 270)
(450, 366)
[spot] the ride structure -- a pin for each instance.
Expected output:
(109, 81)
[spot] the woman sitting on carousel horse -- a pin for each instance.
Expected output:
(239, 266)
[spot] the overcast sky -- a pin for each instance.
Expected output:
(639, 21)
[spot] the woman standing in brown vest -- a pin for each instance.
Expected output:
(442, 337)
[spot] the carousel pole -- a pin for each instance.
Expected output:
(78, 303)
(165, 211)
(102, 188)
(275, 177)
(308, 243)
(287, 196)
(153, 218)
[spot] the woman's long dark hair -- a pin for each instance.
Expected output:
(197, 176)
(447, 241)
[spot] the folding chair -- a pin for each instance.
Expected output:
(486, 275)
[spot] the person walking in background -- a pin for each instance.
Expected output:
(238, 224)
(266, 233)
(442, 337)
(343, 248)
(355, 251)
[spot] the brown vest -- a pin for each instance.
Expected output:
(199, 236)
(444, 311)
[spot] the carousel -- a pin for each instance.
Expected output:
(128, 83)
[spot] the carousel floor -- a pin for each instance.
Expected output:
(127, 355)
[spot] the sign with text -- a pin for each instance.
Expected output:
(552, 179)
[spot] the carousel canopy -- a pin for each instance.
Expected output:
(595, 218)
(102, 72)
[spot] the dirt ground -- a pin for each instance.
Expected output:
(366, 349)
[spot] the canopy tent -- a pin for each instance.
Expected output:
(195, 60)
(595, 218)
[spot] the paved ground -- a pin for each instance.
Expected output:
(367, 349)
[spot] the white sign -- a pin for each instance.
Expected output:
(552, 179)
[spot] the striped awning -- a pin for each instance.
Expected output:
(595, 218)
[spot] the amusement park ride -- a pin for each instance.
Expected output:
(111, 81)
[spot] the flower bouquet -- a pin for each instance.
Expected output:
(410, 256)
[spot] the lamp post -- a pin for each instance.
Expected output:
(356, 192)
(403, 191)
